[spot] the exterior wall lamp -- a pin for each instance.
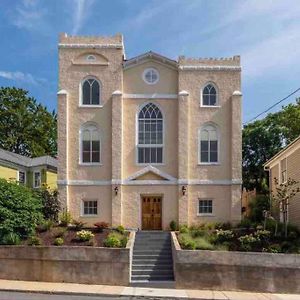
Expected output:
(183, 189)
(116, 190)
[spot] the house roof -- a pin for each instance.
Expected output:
(149, 55)
(295, 142)
(27, 161)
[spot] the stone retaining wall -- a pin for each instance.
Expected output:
(224, 270)
(92, 265)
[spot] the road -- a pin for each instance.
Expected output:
(36, 296)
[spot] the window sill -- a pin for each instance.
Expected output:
(150, 164)
(90, 106)
(205, 215)
(88, 216)
(90, 164)
(210, 106)
(209, 164)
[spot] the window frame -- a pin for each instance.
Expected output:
(217, 95)
(137, 145)
(281, 171)
(33, 183)
(145, 72)
(81, 93)
(25, 177)
(82, 129)
(202, 214)
(218, 146)
(82, 214)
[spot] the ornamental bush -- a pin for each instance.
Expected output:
(20, 210)
(84, 235)
(224, 235)
(58, 242)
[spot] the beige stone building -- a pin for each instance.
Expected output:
(285, 164)
(147, 140)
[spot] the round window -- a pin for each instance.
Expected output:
(151, 76)
(90, 57)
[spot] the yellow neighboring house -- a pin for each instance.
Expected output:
(285, 164)
(33, 172)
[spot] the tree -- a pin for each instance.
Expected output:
(20, 210)
(264, 138)
(282, 196)
(26, 127)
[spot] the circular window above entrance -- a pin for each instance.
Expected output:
(150, 76)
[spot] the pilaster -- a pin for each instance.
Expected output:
(183, 157)
(62, 125)
(117, 136)
(236, 155)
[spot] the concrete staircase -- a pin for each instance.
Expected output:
(152, 263)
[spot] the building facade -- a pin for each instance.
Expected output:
(147, 140)
(281, 167)
(33, 172)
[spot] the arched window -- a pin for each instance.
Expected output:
(90, 144)
(209, 144)
(150, 135)
(209, 95)
(90, 92)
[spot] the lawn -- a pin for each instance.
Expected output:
(243, 237)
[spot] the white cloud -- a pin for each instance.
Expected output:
(20, 76)
(82, 10)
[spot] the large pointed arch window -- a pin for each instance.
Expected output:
(90, 144)
(209, 144)
(150, 135)
(209, 95)
(90, 92)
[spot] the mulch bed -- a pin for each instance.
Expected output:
(70, 238)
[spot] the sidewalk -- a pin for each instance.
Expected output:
(120, 291)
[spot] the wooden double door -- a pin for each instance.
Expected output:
(151, 212)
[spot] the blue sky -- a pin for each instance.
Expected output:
(265, 33)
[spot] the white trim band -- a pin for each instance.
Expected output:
(150, 96)
(91, 46)
(210, 68)
(147, 182)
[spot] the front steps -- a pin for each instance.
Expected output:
(152, 263)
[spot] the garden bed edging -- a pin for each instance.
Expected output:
(89, 265)
(226, 270)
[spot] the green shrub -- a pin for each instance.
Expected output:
(51, 204)
(78, 225)
(203, 244)
(245, 223)
(58, 241)
(183, 228)
(210, 225)
(248, 242)
(186, 241)
(224, 236)
(224, 226)
(45, 226)
(263, 234)
(197, 232)
(65, 218)
(20, 209)
(292, 235)
(173, 225)
(34, 241)
(59, 232)
(257, 207)
(274, 248)
(120, 229)
(100, 226)
(112, 241)
(84, 235)
(11, 239)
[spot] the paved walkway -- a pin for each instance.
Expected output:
(120, 291)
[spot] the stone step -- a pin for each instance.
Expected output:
(153, 267)
(151, 256)
(152, 277)
(153, 251)
(159, 261)
(168, 273)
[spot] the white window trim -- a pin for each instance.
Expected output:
(280, 171)
(205, 214)
(215, 163)
(82, 209)
(89, 164)
(33, 183)
(150, 69)
(137, 136)
(217, 96)
(100, 93)
(25, 176)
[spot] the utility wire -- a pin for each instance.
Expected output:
(268, 109)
